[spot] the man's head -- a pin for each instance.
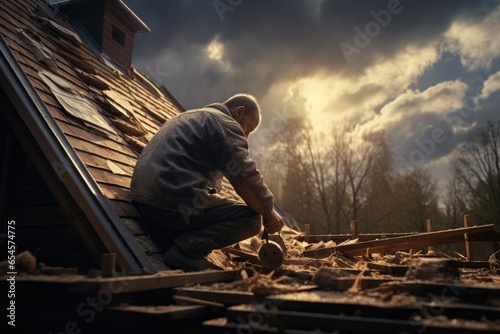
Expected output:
(245, 111)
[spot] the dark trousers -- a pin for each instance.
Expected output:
(212, 228)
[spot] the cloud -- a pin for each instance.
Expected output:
(477, 43)
(336, 98)
(424, 74)
(491, 85)
(416, 122)
(266, 43)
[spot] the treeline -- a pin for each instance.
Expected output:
(328, 180)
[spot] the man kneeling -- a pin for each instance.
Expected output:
(177, 183)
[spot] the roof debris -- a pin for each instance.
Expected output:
(75, 104)
(41, 52)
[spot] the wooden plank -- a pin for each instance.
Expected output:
(345, 283)
(338, 238)
(468, 246)
(351, 324)
(158, 314)
(220, 296)
(402, 243)
(469, 264)
(338, 303)
(474, 292)
(353, 226)
(125, 284)
(389, 269)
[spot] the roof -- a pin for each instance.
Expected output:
(84, 123)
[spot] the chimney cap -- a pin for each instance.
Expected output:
(119, 3)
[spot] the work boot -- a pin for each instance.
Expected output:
(175, 258)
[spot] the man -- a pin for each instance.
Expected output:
(177, 180)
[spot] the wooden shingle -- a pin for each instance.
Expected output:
(107, 159)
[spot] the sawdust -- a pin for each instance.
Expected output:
(257, 283)
(263, 284)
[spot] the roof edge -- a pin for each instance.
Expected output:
(130, 13)
(76, 177)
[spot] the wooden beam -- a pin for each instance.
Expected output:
(388, 269)
(428, 228)
(124, 284)
(336, 303)
(468, 246)
(219, 296)
(260, 319)
(338, 238)
(403, 243)
(353, 226)
(345, 283)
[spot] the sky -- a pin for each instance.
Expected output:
(425, 72)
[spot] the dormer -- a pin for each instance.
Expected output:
(110, 23)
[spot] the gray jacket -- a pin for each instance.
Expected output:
(182, 166)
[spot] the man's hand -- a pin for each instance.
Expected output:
(273, 223)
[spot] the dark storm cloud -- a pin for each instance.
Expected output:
(270, 41)
(270, 44)
(298, 37)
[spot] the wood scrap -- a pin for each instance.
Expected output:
(25, 263)
(137, 145)
(94, 80)
(264, 284)
(356, 286)
(438, 270)
(403, 243)
(131, 127)
(494, 261)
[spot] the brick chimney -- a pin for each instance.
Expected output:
(110, 22)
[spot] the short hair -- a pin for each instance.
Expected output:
(246, 100)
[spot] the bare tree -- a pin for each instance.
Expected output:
(306, 156)
(415, 200)
(359, 160)
(455, 203)
(339, 180)
(379, 210)
(477, 169)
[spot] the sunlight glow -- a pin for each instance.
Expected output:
(215, 52)
(336, 99)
